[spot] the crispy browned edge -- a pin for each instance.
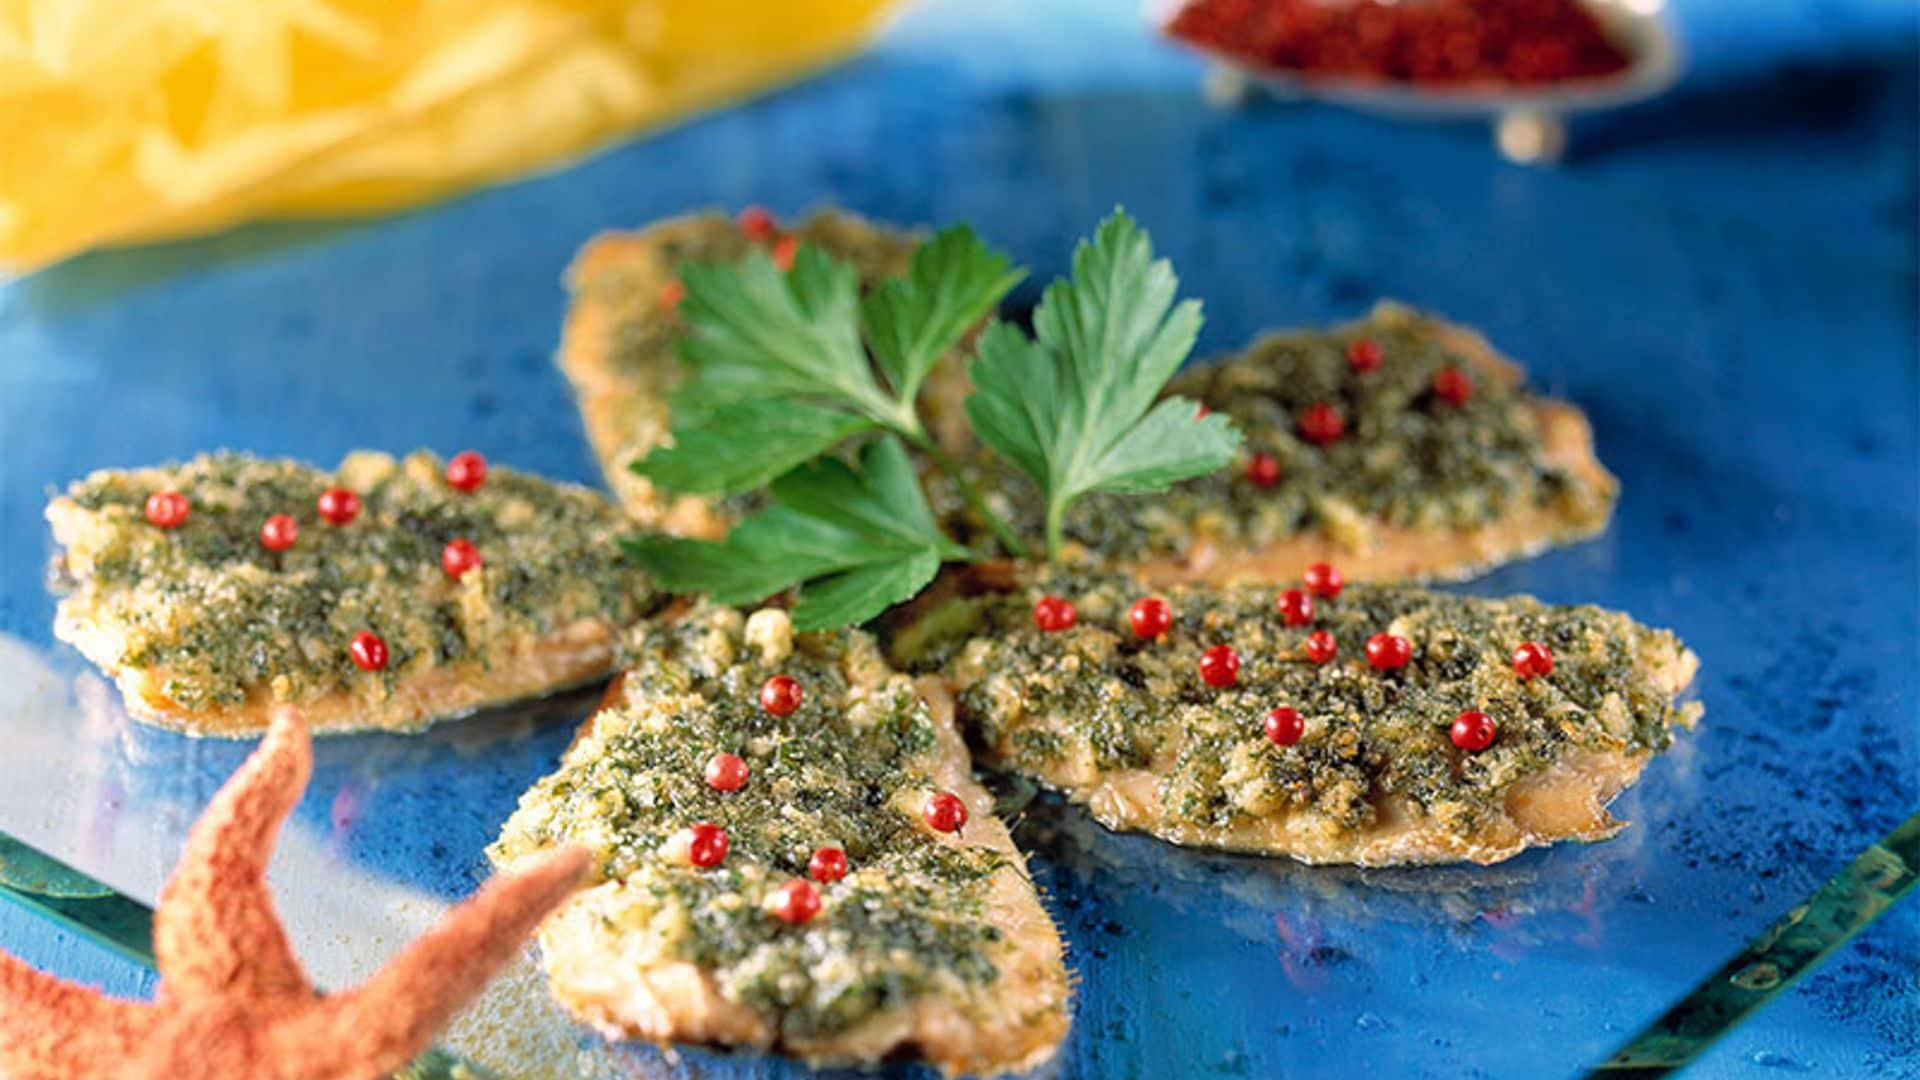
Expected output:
(679, 1002)
(571, 656)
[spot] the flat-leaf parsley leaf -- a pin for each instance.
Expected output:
(861, 541)
(1075, 407)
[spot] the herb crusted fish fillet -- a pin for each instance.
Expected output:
(793, 856)
(386, 595)
(1401, 445)
(1379, 726)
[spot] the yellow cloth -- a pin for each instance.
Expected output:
(134, 120)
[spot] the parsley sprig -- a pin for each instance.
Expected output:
(785, 369)
(863, 540)
(1074, 407)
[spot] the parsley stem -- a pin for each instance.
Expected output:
(1056, 520)
(1008, 538)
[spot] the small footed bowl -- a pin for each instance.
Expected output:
(1528, 120)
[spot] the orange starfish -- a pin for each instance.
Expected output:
(233, 1000)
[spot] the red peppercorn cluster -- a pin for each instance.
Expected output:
(1219, 665)
(280, 532)
(340, 507)
(1431, 42)
(797, 901)
(1151, 617)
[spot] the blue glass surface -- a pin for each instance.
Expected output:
(1725, 279)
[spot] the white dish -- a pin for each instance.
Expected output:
(1527, 120)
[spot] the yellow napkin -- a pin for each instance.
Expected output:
(134, 120)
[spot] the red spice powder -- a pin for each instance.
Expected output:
(1418, 41)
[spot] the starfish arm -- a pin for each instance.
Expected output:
(386, 1022)
(215, 930)
(53, 1028)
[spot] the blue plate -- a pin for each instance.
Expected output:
(1724, 279)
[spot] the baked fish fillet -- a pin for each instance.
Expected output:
(1418, 485)
(1132, 729)
(932, 945)
(205, 629)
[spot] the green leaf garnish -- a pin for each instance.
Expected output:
(786, 368)
(856, 541)
(710, 457)
(1075, 407)
(955, 280)
(781, 370)
(754, 332)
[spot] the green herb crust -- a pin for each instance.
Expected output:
(919, 917)
(1409, 464)
(1130, 727)
(212, 625)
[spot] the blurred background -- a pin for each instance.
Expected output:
(135, 120)
(302, 227)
